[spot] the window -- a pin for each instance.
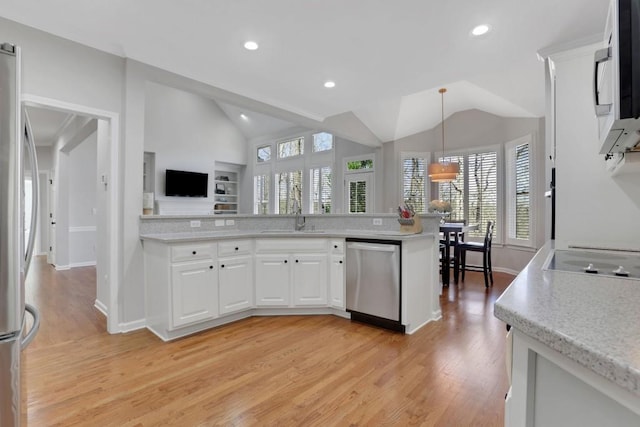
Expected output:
(358, 196)
(454, 191)
(261, 194)
(320, 192)
(474, 193)
(414, 182)
(288, 192)
(355, 165)
(263, 154)
(322, 141)
(291, 148)
(518, 191)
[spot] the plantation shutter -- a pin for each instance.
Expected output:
(518, 164)
(288, 192)
(413, 183)
(453, 191)
(320, 194)
(483, 190)
(261, 194)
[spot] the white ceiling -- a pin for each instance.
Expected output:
(388, 58)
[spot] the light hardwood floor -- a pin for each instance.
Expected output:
(263, 371)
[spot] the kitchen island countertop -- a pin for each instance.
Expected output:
(592, 320)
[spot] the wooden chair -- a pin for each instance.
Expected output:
(485, 248)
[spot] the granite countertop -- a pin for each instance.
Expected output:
(234, 234)
(592, 320)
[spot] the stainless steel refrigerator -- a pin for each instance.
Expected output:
(17, 152)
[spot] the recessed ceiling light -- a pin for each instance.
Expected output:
(329, 84)
(480, 30)
(250, 45)
(243, 116)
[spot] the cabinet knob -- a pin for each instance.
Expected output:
(340, 261)
(194, 252)
(285, 261)
(296, 260)
(335, 246)
(211, 267)
(222, 266)
(236, 248)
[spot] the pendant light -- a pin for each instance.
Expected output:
(443, 171)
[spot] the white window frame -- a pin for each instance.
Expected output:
(509, 187)
(310, 186)
(498, 238)
(370, 180)
(259, 146)
(285, 140)
(404, 155)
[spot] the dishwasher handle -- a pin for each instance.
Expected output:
(372, 247)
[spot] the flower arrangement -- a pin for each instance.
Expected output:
(439, 206)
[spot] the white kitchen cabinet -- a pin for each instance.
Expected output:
(194, 292)
(272, 282)
(235, 283)
(309, 279)
(337, 282)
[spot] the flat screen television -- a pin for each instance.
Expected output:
(186, 184)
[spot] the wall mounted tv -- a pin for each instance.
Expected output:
(185, 184)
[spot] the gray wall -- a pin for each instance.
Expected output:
(188, 132)
(82, 202)
(469, 129)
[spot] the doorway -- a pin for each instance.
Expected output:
(107, 224)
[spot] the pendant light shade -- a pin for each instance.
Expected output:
(443, 171)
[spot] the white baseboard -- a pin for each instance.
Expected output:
(133, 326)
(101, 308)
(82, 264)
(506, 270)
(62, 267)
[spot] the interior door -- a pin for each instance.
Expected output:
(358, 192)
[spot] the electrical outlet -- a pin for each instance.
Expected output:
(230, 222)
(195, 224)
(219, 222)
(377, 221)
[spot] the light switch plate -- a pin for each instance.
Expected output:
(377, 221)
(219, 222)
(195, 224)
(230, 222)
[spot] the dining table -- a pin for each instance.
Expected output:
(452, 230)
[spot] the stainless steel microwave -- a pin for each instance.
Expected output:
(617, 79)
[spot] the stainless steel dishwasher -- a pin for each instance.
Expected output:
(374, 282)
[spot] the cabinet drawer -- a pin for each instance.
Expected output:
(234, 247)
(291, 245)
(193, 252)
(336, 246)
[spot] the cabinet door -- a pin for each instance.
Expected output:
(235, 283)
(310, 279)
(336, 281)
(194, 288)
(272, 280)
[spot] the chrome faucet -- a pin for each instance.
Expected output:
(300, 220)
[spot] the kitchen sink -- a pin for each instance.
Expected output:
(292, 231)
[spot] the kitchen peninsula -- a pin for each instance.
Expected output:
(246, 265)
(576, 347)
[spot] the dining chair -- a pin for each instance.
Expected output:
(454, 240)
(485, 248)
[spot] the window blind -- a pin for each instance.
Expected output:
(357, 196)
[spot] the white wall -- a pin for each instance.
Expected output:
(82, 202)
(469, 129)
(188, 132)
(593, 208)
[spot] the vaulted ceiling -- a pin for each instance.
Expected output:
(387, 58)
